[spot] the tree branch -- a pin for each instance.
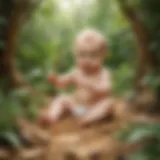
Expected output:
(142, 37)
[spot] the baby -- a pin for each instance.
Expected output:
(91, 99)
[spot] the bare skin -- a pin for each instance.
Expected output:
(93, 84)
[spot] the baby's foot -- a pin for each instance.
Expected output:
(46, 121)
(83, 123)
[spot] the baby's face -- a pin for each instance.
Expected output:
(89, 59)
(90, 52)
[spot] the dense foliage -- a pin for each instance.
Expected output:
(44, 44)
(48, 44)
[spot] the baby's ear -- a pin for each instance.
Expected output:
(74, 53)
(105, 55)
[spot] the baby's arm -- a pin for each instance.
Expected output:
(104, 85)
(61, 81)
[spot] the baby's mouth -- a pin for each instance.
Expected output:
(90, 70)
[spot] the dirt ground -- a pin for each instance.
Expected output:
(68, 141)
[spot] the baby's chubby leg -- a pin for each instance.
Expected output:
(57, 108)
(98, 111)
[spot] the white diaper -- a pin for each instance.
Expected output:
(80, 110)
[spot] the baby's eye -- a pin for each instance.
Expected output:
(94, 56)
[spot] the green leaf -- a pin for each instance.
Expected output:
(12, 139)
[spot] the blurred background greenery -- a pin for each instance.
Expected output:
(37, 37)
(45, 42)
(54, 24)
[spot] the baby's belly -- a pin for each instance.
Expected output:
(86, 98)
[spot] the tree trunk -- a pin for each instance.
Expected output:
(142, 36)
(147, 62)
(12, 15)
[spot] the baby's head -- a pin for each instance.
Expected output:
(90, 50)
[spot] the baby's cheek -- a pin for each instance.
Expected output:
(79, 62)
(83, 64)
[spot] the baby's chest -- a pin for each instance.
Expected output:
(84, 89)
(91, 79)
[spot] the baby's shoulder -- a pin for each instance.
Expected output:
(73, 71)
(106, 71)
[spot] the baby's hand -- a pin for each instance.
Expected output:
(52, 78)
